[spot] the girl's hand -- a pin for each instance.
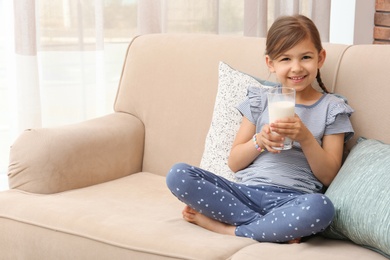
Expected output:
(267, 140)
(291, 127)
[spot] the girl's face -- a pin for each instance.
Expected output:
(297, 67)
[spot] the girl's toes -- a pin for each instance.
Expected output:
(294, 241)
(188, 217)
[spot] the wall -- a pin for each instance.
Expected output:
(352, 21)
(382, 22)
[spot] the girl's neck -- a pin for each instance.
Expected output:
(308, 96)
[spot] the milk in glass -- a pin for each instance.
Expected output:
(281, 104)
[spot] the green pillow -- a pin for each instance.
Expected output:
(361, 196)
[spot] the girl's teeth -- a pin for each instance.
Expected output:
(297, 78)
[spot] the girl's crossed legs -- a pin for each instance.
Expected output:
(264, 213)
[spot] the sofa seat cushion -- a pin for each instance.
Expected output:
(317, 248)
(132, 216)
(126, 219)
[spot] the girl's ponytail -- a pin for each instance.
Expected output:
(319, 80)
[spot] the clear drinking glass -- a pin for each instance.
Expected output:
(281, 104)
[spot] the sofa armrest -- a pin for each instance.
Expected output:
(51, 160)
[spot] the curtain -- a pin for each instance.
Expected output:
(60, 60)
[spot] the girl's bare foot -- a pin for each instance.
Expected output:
(201, 220)
(294, 241)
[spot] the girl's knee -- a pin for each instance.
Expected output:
(172, 178)
(321, 207)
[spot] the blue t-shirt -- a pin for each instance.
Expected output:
(290, 169)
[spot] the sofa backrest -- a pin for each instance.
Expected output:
(364, 78)
(170, 83)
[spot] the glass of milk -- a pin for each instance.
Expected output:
(281, 104)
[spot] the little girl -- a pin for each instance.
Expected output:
(277, 196)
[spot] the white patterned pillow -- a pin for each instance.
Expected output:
(226, 120)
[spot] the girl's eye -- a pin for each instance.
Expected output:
(284, 59)
(306, 57)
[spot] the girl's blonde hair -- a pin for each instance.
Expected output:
(288, 31)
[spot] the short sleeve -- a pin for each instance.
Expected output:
(338, 120)
(254, 104)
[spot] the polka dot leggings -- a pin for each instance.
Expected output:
(264, 213)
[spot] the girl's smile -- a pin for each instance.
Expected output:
(297, 80)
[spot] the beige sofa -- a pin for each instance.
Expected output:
(96, 190)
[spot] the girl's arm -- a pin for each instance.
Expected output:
(325, 161)
(243, 150)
